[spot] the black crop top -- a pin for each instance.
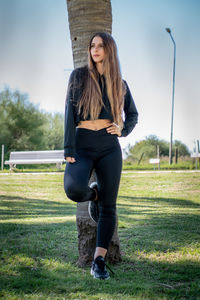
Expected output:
(72, 117)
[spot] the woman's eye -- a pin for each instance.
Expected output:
(98, 46)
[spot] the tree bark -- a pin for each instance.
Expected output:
(87, 17)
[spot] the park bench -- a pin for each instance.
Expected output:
(155, 161)
(36, 157)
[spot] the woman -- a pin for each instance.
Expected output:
(96, 99)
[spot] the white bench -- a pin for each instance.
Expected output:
(155, 161)
(36, 157)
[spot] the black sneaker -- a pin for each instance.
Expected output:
(98, 270)
(93, 208)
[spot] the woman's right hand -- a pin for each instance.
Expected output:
(70, 159)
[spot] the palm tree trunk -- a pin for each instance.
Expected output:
(87, 17)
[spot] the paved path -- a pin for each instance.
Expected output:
(162, 171)
(123, 172)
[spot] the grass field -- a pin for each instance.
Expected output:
(159, 230)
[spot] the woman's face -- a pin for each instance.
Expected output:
(97, 49)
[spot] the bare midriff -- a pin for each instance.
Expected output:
(95, 124)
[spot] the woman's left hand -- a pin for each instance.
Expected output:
(114, 129)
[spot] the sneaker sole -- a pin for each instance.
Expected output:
(93, 274)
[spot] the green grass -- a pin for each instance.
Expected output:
(159, 230)
(184, 163)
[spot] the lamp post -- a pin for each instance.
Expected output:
(172, 117)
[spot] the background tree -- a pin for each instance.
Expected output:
(148, 148)
(21, 123)
(87, 17)
(54, 131)
(182, 148)
(24, 127)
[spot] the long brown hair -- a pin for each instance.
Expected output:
(91, 101)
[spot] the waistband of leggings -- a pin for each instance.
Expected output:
(86, 130)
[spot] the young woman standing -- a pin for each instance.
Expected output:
(96, 99)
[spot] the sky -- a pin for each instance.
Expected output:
(36, 58)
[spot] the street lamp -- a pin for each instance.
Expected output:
(172, 117)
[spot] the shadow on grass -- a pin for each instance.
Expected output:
(40, 258)
(158, 227)
(162, 235)
(30, 227)
(137, 277)
(171, 201)
(155, 209)
(22, 207)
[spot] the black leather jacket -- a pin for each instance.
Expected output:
(72, 117)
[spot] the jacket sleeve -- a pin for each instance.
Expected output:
(131, 114)
(69, 121)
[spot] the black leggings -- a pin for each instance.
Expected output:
(101, 151)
